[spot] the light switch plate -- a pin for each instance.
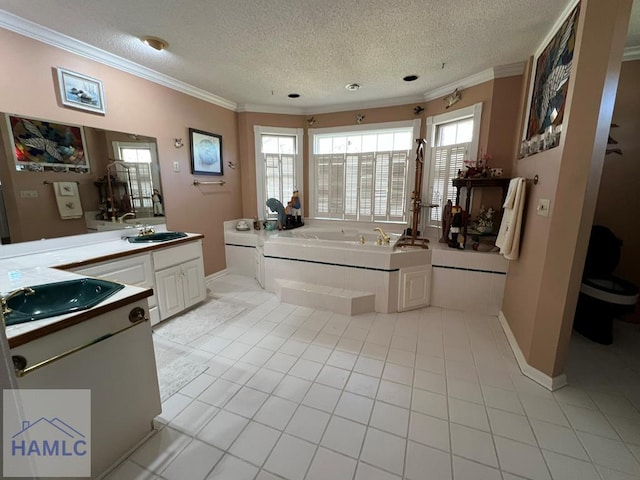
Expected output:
(543, 207)
(176, 166)
(28, 194)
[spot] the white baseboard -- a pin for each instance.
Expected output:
(216, 275)
(550, 383)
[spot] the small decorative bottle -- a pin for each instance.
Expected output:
(256, 223)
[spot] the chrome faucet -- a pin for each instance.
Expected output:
(385, 237)
(120, 219)
(5, 298)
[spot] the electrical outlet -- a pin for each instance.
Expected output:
(543, 207)
(28, 194)
(176, 167)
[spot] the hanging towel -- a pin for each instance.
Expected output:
(511, 194)
(509, 234)
(68, 199)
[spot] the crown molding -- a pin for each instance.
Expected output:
(344, 107)
(556, 26)
(511, 70)
(487, 75)
(470, 81)
(252, 108)
(631, 53)
(42, 34)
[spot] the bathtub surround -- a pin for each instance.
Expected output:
(310, 267)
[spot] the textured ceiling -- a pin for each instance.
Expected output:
(256, 52)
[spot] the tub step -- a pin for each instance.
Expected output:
(338, 300)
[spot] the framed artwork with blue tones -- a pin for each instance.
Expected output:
(206, 152)
(551, 79)
(81, 91)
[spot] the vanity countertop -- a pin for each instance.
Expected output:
(48, 266)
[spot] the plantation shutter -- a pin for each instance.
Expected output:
(362, 175)
(447, 161)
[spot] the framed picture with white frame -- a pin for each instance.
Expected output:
(81, 91)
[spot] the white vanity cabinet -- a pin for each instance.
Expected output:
(136, 270)
(116, 363)
(179, 278)
(175, 273)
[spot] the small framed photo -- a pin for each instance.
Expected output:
(80, 91)
(206, 152)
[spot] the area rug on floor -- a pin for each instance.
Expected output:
(196, 323)
(176, 374)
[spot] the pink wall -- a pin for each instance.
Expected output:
(619, 196)
(542, 286)
(134, 105)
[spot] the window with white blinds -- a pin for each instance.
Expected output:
(454, 139)
(362, 174)
(278, 166)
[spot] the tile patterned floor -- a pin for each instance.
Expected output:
(301, 394)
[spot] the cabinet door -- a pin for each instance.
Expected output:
(170, 296)
(415, 287)
(193, 282)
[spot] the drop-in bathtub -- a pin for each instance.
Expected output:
(336, 258)
(332, 257)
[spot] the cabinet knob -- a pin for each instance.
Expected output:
(136, 314)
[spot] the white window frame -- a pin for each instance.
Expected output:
(473, 111)
(415, 124)
(258, 131)
(152, 165)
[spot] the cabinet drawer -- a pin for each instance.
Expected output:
(134, 270)
(174, 255)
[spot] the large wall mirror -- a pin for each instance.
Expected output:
(51, 187)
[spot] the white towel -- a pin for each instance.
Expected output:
(68, 199)
(509, 234)
(511, 194)
(66, 189)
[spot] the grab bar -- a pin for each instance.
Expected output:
(20, 362)
(198, 182)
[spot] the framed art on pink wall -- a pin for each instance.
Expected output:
(206, 152)
(81, 91)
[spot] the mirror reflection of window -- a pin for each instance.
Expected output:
(139, 157)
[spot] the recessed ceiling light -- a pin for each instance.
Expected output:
(155, 42)
(294, 95)
(352, 87)
(410, 78)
